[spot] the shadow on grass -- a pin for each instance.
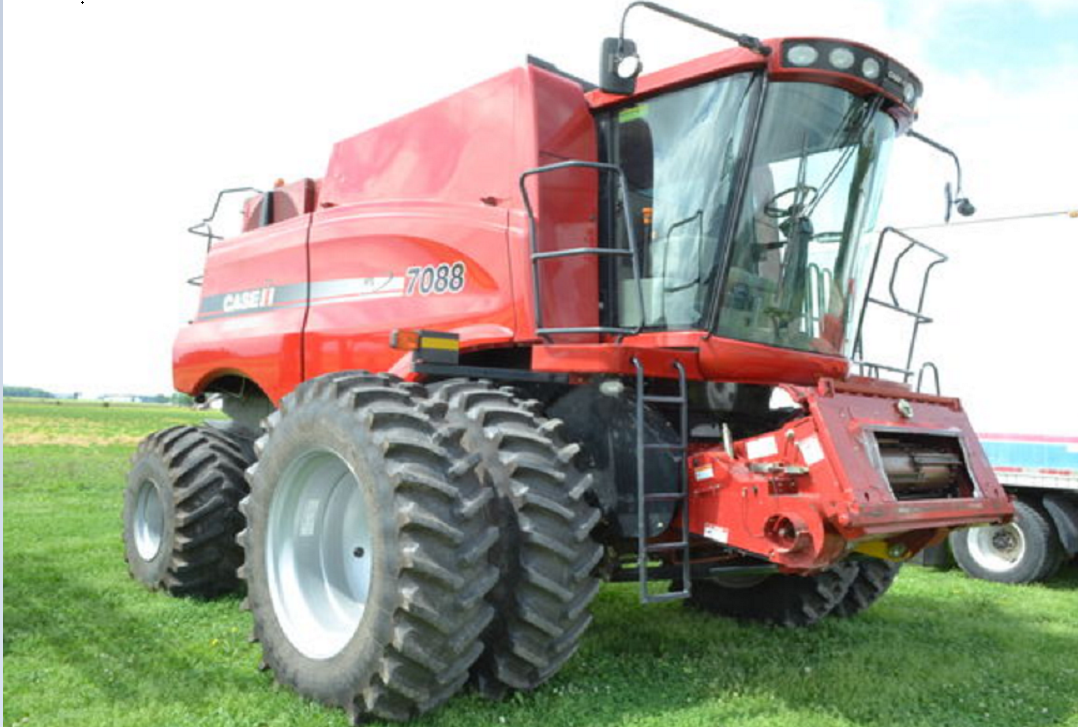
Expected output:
(127, 645)
(912, 659)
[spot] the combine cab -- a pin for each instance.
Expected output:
(540, 334)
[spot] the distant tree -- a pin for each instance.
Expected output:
(181, 399)
(158, 399)
(28, 392)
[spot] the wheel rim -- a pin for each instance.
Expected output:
(997, 547)
(149, 526)
(319, 554)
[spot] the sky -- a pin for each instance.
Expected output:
(122, 119)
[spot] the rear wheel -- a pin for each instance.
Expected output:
(874, 577)
(1022, 551)
(780, 600)
(181, 511)
(545, 553)
(367, 552)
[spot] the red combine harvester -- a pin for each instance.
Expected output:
(540, 334)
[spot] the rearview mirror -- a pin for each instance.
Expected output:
(962, 204)
(954, 200)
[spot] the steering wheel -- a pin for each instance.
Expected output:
(803, 195)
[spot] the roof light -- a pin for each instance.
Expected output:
(841, 58)
(870, 68)
(802, 55)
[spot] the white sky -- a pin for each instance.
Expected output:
(123, 118)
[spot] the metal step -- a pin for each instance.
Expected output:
(664, 497)
(675, 447)
(668, 596)
(664, 547)
(664, 400)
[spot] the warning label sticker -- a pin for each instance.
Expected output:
(811, 450)
(762, 447)
(716, 533)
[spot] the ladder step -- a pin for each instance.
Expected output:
(665, 400)
(657, 445)
(665, 547)
(661, 597)
(666, 496)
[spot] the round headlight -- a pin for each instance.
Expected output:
(909, 92)
(629, 67)
(802, 55)
(870, 67)
(841, 58)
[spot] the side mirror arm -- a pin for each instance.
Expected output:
(955, 200)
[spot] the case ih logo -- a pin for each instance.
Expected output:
(248, 300)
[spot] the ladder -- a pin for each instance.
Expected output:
(645, 550)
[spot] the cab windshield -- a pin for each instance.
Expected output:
(793, 253)
(799, 250)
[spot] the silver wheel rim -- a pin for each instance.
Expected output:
(318, 554)
(149, 526)
(997, 547)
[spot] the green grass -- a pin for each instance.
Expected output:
(85, 645)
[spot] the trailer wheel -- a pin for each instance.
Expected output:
(367, 550)
(1023, 551)
(874, 577)
(546, 555)
(181, 511)
(780, 600)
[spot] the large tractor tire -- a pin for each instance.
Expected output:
(874, 577)
(181, 511)
(367, 548)
(546, 555)
(1023, 551)
(779, 600)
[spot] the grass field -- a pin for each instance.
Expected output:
(85, 645)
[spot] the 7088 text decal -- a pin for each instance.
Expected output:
(440, 279)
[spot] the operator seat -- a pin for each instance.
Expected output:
(637, 156)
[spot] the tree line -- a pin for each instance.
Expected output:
(30, 392)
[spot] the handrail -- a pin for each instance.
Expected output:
(919, 318)
(205, 227)
(935, 374)
(536, 256)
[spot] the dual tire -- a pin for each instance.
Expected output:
(367, 548)
(181, 512)
(402, 541)
(545, 555)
